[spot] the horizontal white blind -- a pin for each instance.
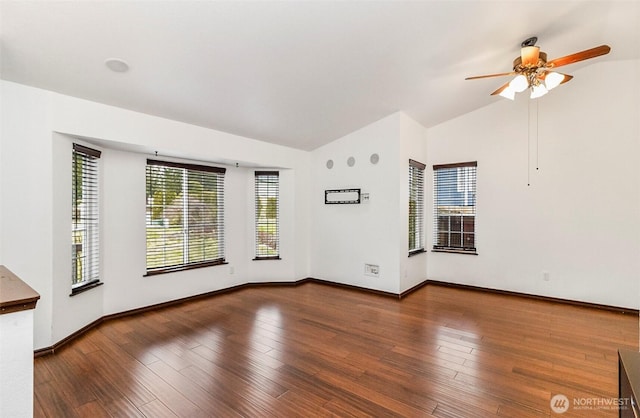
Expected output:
(267, 212)
(85, 217)
(185, 216)
(416, 206)
(454, 217)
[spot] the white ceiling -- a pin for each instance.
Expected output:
(300, 74)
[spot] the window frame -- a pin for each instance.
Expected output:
(464, 212)
(416, 234)
(257, 210)
(215, 174)
(85, 221)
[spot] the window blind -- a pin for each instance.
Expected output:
(416, 207)
(85, 217)
(267, 211)
(184, 217)
(454, 216)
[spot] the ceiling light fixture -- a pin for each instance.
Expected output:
(539, 85)
(532, 70)
(117, 65)
(532, 74)
(538, 91)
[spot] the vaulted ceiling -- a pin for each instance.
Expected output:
(299, 74)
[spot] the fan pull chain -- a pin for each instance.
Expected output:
(537, 142)
(528, 143)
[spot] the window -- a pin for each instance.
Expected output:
(454, 207)
(85, 230)
(185, 216)
(267, 219)
(416, 207)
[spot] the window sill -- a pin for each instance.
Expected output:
(184, 267)
(85, 287)
(277, 257)
(416, 252)
(442, 250)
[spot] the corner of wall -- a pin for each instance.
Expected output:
(26, 197)
(412, 145)
(2, 134)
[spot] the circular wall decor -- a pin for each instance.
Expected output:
(329, 164)
(351, 162)
(374, 158)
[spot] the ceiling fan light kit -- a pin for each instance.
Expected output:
(519, 84)
(532, 70)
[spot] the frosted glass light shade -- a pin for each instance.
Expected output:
(508, 93)
(538, 91)
(553, 80)
(519, 84)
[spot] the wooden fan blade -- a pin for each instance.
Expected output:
(579, 56)
(501, 89)
(490, 75)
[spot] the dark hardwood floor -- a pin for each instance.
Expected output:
(318, 350)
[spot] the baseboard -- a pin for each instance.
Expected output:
(413, 289)
(353, 287)
(57, 346)
(52, 349)
(174, 302)
(610, 308)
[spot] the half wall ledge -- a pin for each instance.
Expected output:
(15, 295)
(17, 303)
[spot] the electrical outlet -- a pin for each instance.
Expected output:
(372, 270)
(545, 276)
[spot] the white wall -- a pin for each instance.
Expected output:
(125, 239)
(27, 196)
(119, 128)
(578, 220)
(16, 364)
(36, 203)
(345, 237)
(1, 141)
(413, 145)
(69, 313)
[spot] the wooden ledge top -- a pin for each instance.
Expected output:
(630, 360)
(15, 295)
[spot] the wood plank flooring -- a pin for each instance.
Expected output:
(317, 350)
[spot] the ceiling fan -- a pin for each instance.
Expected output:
(533, 71)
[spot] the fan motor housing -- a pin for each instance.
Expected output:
(517, 63)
